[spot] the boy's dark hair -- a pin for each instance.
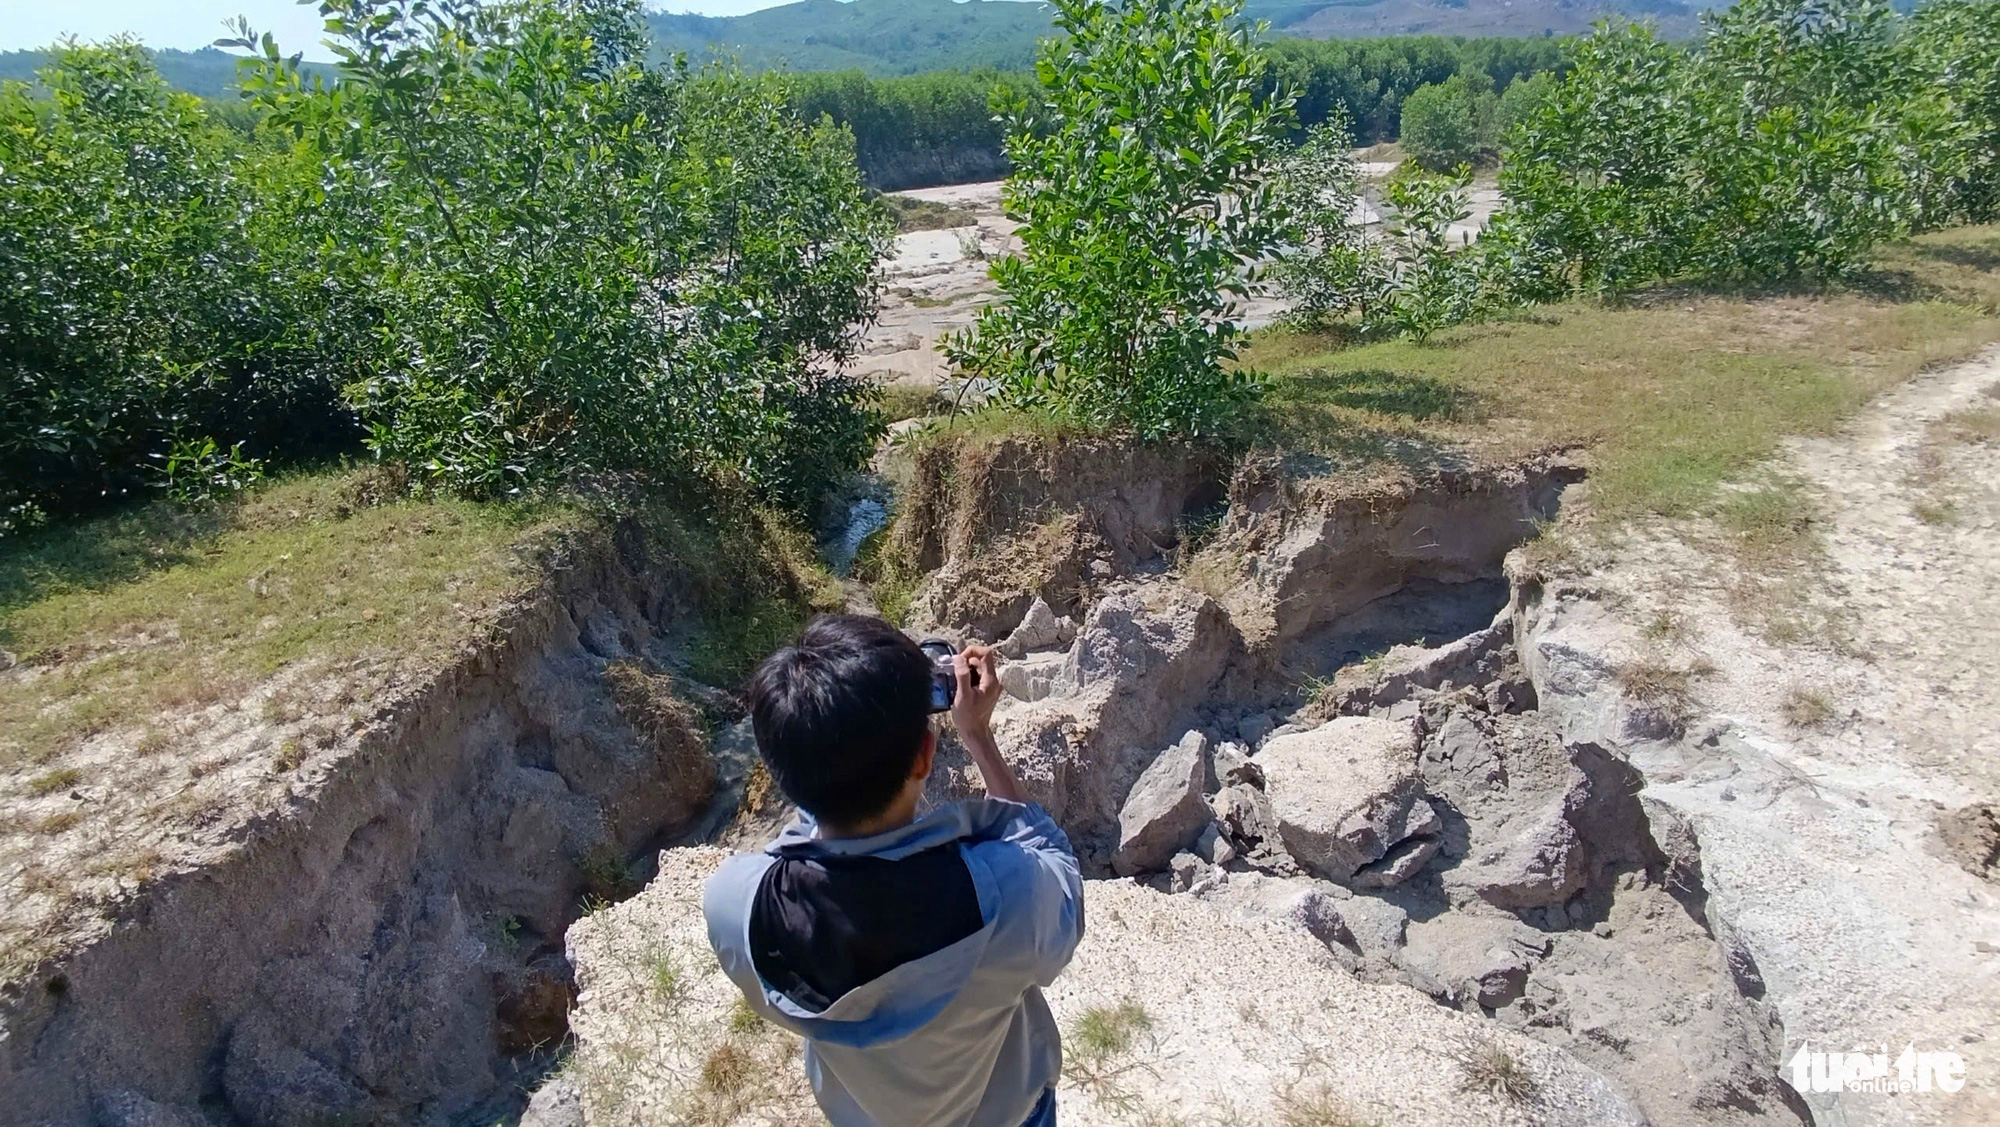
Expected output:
(841, 716)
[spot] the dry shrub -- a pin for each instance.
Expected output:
(658, 714)
(1806, 708)
(1494, 1070)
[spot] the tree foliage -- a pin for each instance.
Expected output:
(1450, 123)
(1139, 187)
(1331, 266)
(142, 300)
(515, 251)
(1787, 143)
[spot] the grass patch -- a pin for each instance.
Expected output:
(1675, 392)
(51, 781)
(1771, 523)
(1495, 1071)
(60, 822)
(914, 214)
(1806, 708)
(157, 610)
(1314, 1106)
(1969, 425)
(900, 401)
(1669, 689)
(756, 580)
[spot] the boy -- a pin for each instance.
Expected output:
(908, 951)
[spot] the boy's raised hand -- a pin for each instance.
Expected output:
(972, 706)
(972, 712)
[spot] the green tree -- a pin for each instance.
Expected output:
(1138, 182)
(1331, 267)
(1948, 60)
(1519, 102)
(578, 264)
(1435, 283)
(137, 306)
(1450, 123)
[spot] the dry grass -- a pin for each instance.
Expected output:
(60, 822)
(1970, 425)
(1675, 392)
(1493, 1070)
(1314, 1106)
(53, 780)
(1104, 1055)
(1806, 708)
(155, 611)
(1668, 688)
(914, 214)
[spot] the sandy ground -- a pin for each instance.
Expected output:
(937, 283)
(1818, 831)
(1219, 1035)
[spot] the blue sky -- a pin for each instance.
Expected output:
(194, 23)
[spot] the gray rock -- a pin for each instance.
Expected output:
(1164, 810)
(1033, 677)
(558, 1103)
(1244, 813)
(121, 1108)
(1253, 728)
(1479, 961)
(1379, 928)
(1131, 682)
(1184, 871)
(1213, 845)
(1040, 629)
(270, 1083)
(1234, 766)
(1319, 913)
(1510, 694)
(1349, 802)
(1542, 865)
(1407, 670)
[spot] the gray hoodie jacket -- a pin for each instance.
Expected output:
(957, 1038)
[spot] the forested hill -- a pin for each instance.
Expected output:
(887, 37)
(893, 37)
(207, 72)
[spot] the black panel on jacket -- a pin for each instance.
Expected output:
(823, 925)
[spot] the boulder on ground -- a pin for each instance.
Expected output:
(1349, 800)
(1164, 810)
(1040, 629)
(1244, 815)
(1233, 765)
(1139, 668)
(557, 1103)
(1477, 960)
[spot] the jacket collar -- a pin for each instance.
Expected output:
(975, 819)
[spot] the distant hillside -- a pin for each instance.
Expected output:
(889, 37)
(896, 37)
(878, 36)
(207, 72)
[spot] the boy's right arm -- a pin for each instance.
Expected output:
(1051, 895)
(972, 714)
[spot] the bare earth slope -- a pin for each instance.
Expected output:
(1821, 765)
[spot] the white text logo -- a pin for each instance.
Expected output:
(1859, 1071)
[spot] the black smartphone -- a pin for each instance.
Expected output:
(944, 681)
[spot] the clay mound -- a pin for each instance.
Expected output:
(1175, 1010)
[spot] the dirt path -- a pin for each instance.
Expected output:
(1817, 770)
